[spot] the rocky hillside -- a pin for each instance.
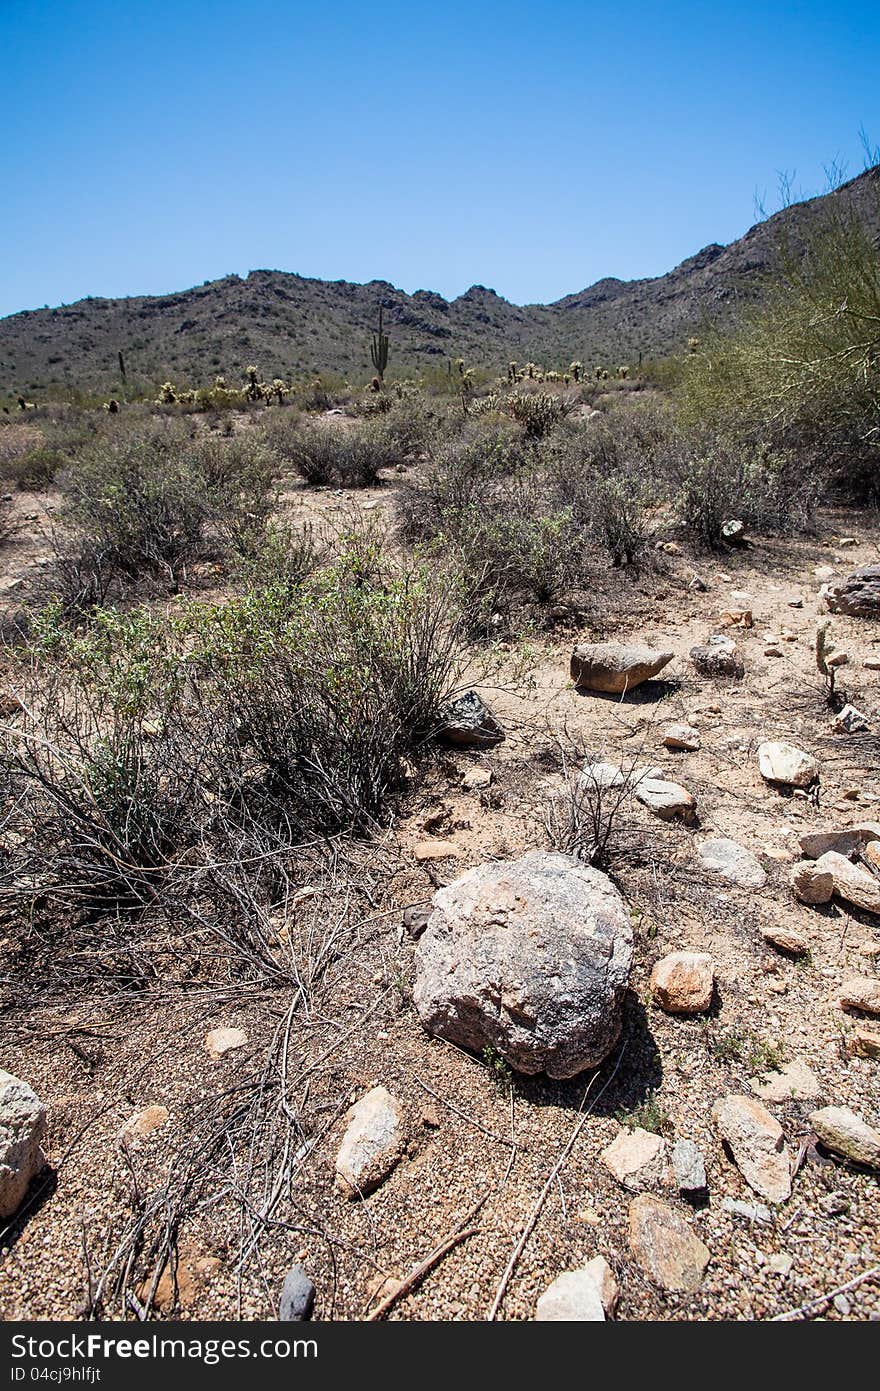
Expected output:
(291, 325)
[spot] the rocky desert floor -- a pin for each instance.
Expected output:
(192, 1178)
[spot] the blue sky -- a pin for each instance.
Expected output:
(530, 147)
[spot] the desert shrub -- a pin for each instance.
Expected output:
(31, 455)
(341, 455)
(463, 470)
(605, 475)
(538, 412)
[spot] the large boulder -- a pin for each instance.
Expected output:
(530, 957)
(22, 1130)
(615, 667)
(858, 595)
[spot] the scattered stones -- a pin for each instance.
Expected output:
(683, 982)
(476, 779)
(426, 850)
(863, 1043)
(683, 738)
(718, 657)
(846, 842)
(810, 883)
(146, 1121)
(297, 1296)
(531, 957)
(615, 667)
(757, 1143)
(733, 862)
(860, 992)
(22, 1131)
(858, 595)
(750, 1212)
(635, 1158)
(689, 1168)
(668, 800)
(665, 1245)
(415, 919)
(843, 1132)
(589, 1294)
(372, 1144)
(852, 883)
(783, 763)
(219, 1042)
(468, 722)
(793, 1082)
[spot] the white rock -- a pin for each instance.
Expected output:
(793, 1082)
(843, 1132)
(810, 884)
(783, 763)
(733, 862)
(589, 1294)
(682, 738)
(635, 1158)
(372, 1144)
(219, 1042)
(852, 883)
(22, 1130)
(757, 1143)
(668, 800)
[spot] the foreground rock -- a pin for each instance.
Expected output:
(297, 1296)
(783, 763)
(793, 1082)
(860, 992)
(733, 862)
(636, 1158)
(757, 1143)
(858, 595)
(810, 884)
(372, 1144)
(668, 800)
(615, 667)
(843, 1132)
(683, 982)
(219, 1042)
(468, 722)
(589, 1294)
(682, 738)
(852, 883)
(785, 939)
(718, 657)
(22, 1131)
(665, 1246)
(849, 841)
(689, 1168)
(531, 957)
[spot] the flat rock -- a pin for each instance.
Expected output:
(850, 721)
(689, 1167)
(811, 884)
(596, 777)
(668, 800)
(468, 722)
(22, 1131)
(372, 1144)
(757, 1143)
(531, 957)
(858, 595)
(682, 738)
(636, 1158)
(425, 850)
(783, 763)
(146, 1121)
(615, 667)
(852, 883)
(843, 1132)
(588, 1294)
(793, 1082)
(219, 1042)
(749, 1212)
(860, 992)
(297, 1296)
(785, 939)
(683, 982)
(848, 840)
(733, 862)
(718, 657)
(864, 1043)
(665, 1245)
(476, 779)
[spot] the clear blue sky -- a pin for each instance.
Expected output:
(532, 147)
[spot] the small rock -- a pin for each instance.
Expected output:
(780, 1264)
(773, 649)
(733, 532)
(757, 1143)
(783, 763)
(415, 919)
(665, 1245)
(718, 657)
(860, 992)
(668, 800)
(871, 663)
(219, 1042)
(596, 777)
(843, 1132)
(834, 1204)
(785, 938)
(22, 1131)
(615, 667)
(635, 1158)
(689, 1167)
(863, 1043)
(589, 1294)
(851, 882)
(682, 738)
(733, 862)
(858, 595)
(750, 1212)
(476, 779)
(372, 1144)
(683, 982)
(697, 584)
(810, 884)
(793, 1082)
(468, 722)
(847, 541)
(795, 603)
(297, 1296)
(146, 1121)
(846, 842)
(850, 721)
(426, 850)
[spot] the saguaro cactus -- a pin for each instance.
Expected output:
(379, 350)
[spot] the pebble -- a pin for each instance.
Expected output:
(683, 982)
(297, 1296)
(689, 1167)
(219, 1042)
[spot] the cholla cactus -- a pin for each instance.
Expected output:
(279, 390)
(512, 373)
(167, 395)
(575, 369)
(220, 383)
(254, 390)
(823, 651)
(623, 372)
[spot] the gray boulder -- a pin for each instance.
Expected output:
(615, 667)
(530, 957)
(718, 656)
(468, 722)
(858, 595)
(22, 1130)
(297, 1296)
